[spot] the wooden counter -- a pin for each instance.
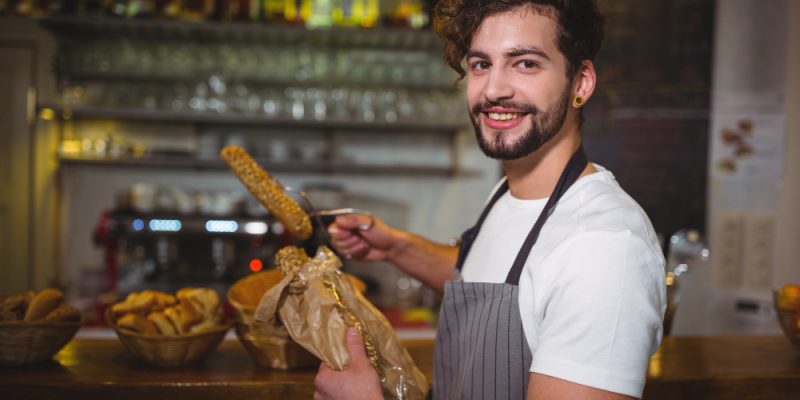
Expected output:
(94, 369)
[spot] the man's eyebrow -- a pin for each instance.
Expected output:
(514, 52)
(521, 51)
(477, 54)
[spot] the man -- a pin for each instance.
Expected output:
(558, 291)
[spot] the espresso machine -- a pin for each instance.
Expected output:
(165, 239)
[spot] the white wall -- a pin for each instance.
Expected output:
(753, 218)
(787, 256)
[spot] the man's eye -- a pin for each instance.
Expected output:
(528, 64)
(480, 65)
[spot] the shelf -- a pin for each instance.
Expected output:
(384, 38)
(161, 78)
(136, 114)
(325, 167)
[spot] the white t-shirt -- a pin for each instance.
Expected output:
(592, 293)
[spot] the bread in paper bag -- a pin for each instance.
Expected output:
(317, 303)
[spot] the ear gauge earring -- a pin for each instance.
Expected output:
(578, 101)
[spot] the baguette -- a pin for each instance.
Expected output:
(268, 192)
(43, 303)
(64, 313)
(290, 259)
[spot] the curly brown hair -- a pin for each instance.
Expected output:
(580, 26)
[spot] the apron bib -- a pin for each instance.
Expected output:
(481, 350)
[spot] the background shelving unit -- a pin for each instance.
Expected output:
(108, 61)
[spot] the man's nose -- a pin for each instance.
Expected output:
(498, 86)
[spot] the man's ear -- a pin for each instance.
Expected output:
(584, 82)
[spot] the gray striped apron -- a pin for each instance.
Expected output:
(481, 350)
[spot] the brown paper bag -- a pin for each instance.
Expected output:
(317, 303)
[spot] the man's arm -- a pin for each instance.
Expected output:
(544, 387)
(429, 262)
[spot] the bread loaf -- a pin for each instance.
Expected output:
(206, 301)
(188, 311)
(138, 324)
(45, 301)
(183, 316)
(136, 302)
(162, 322)
(44, 306)
(64, 313)
(290, 258)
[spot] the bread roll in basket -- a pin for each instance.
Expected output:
(151, 330)
(34, 326)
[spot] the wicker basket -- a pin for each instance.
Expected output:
(278, 351)
(789, 321)
(170, 351)
(25, 343)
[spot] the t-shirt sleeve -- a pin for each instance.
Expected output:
(604, 304)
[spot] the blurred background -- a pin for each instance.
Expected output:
(112, 114)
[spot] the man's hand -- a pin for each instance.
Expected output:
(358, 381)
(353, 236)
(356, 237)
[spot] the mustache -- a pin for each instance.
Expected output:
(526, 108)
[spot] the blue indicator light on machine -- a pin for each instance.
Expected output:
(165, 225)
(222, 226)
(138, 225)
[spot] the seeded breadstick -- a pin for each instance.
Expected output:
(268, 192)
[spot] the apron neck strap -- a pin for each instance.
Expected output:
(469, 236)
(571, 172)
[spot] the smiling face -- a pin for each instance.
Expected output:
(517, 90)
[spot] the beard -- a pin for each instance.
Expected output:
(544, 126)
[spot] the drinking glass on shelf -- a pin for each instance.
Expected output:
(126, 56)
(199, 100)
(272, 103)
(368, 100)
(253, 105)
(149, 97)
(406, 106)
(316, 98)
(338, 102)
(296, 104)
(179, 99)
(388, 105)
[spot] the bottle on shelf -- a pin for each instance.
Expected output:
(131, 8)
(321, 14)
(297, 11)
(22, 8)
(168, 9)
(371, 14)
(273, 10)
(239, 10)
(347, 12)
(197, 10)
(83, 8)
(363, 13)
(408, 14)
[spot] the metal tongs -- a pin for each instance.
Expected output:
(318, 214)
